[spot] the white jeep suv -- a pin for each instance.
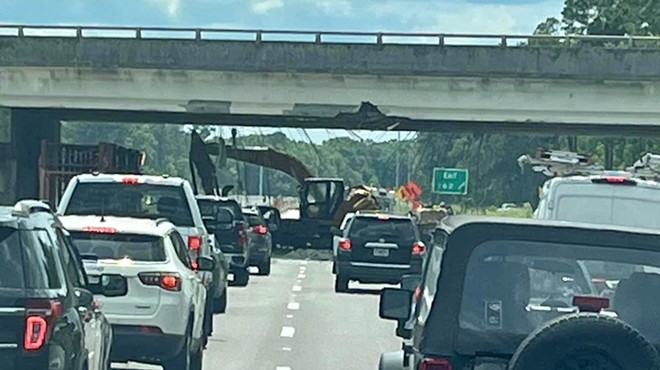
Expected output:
(160, 320)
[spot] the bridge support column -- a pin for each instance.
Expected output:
(28, 129)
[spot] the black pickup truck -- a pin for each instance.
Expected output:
(223, 217)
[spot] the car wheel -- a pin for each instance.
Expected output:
(341, 284)
(220, 304)
(334, 268)
(585, 341)
(182, 360)
(264, 267)
(241, 277)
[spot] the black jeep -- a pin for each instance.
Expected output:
(518, 294)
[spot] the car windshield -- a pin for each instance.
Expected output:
(513, 287)
(141, 248)
(208, 208)
(131, 200)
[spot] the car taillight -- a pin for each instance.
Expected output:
(261, 229)
(418, 294)
(130, 180)
(435, 364)
(165, 280)
(99, 230)
(41, 316)
(194, 242)
(345, 244)
(241, 235)
(418, 249)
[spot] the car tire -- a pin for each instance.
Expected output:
(182, 360)
(220, 304)
(264, 268)
(241, 277)
(334, 268)
(592, 339)
(341, 284)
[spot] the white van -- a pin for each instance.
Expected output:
(613, 198)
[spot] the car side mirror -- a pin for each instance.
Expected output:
(410, 282)
(109, 285)
(395, 304)
(84, 297)
(205, 263)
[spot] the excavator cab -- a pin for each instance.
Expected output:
(320, 198)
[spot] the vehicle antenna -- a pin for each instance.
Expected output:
(102, 209)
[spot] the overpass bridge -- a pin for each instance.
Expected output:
(373, 81)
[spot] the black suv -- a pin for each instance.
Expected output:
(48, 316)
(518, 294)
(378, 248)
(223, 217)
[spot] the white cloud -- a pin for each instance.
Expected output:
(467, 17)
(265, 6)
(172, 8)
(332, 7)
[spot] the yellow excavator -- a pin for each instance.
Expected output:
(323, 201)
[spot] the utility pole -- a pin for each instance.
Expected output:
(261, 181)
(398, 157)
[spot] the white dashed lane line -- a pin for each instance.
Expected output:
(288, 332)
(296, 288)
(282, 368)
(293, 306)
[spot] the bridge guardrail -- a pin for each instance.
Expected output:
(319, 37)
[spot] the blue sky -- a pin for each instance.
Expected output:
(432, 16)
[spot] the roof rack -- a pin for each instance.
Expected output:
(560, 163)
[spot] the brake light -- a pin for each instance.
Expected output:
(194, 242)
(261, 229)
(41, 315)
(614, 180)
(591, 304)
(345, 244)
(130, 180)
(418, 249)
(436, 364)
(241, 235)
(383, 217)
(100, 230)
(165, 280)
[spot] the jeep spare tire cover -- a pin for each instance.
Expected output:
(585, 342)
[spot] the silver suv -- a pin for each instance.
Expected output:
(141, 196)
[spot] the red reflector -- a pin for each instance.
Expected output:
(418, 294)
(345, 244)
(194, 242)
(130, 180)
(418, 249)
(35, 333)
(591, 304)
(436, 364)
(100, 230)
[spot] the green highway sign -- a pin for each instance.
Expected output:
(450, 181)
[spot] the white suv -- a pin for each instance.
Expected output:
(160, 320)
(142, 196)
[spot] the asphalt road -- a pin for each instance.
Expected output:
(293, 320)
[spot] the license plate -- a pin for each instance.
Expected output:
(381, 252)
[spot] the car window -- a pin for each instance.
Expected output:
(254, 220)
(513, 287)
(430, 282)
(131, 200)
(180, 249)
(72, 267)
(208, 208)
(143, 248)
(11, 259)
(372, 228)
(39, 253)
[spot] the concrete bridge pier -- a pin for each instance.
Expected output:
(21, 132)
